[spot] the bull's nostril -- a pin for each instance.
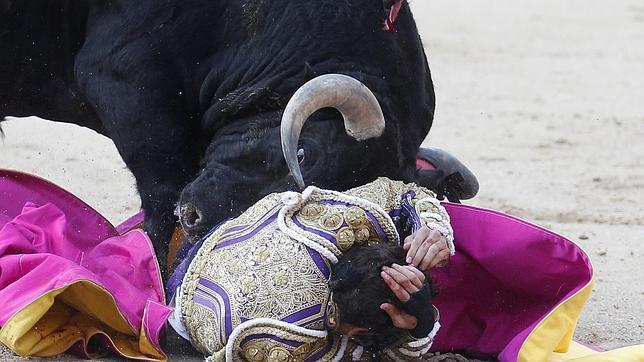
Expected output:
(190, 215)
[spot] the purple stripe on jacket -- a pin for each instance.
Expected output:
(315, 231)
(303, 314)
(409, 211)
(249, 235)
(213, 290)
(317, 259)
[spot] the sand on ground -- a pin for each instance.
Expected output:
(543, 100)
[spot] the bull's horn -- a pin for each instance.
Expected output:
(363, 118)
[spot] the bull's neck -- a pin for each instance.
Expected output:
(45, 31)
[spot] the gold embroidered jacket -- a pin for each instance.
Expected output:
(257, 287)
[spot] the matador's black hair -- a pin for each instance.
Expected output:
(359, 290)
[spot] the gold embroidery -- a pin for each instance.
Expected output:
(268, 345)
(362, 235)
(281, 278)
(278, 354)
(355, 217)
(332, 317)
(255, 273)
(345, 238)
(254, 352)
(248, 284)
(373, 193)
(237, 266)
(261, 254)
(307, 349)
(255, 289)
(311, 211)
(317, 325)
(331, 322)
(331, 221)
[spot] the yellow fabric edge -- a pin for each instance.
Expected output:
(145, 345)
(25, 319)
(575, 350)
(554, 332)
(580, 353)
(23, 334)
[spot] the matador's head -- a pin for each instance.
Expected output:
(358, 291)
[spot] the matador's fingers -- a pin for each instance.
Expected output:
(441, 258)
(420, 253)
(434, 250)
(416, 240)
(401, 277)
(417, 272)
(407, 243)
(396, 288)
(408, 271)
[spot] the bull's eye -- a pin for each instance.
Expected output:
(300, 155)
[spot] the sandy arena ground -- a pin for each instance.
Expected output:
(543, 100)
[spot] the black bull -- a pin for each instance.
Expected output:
(192, 92)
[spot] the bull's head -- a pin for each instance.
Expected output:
(245, 161)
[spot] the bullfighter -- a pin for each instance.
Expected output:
(317, 275)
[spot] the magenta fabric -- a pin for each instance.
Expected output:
(16, 189)
(49, 239)
(506, 276)
(130, 223)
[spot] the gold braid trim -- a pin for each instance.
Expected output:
(191, 280)
(379, 213)
(311, 236)
(257, 349)
(318, 196)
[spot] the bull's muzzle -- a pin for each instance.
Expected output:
(190, 217)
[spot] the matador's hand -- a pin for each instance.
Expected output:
(426, 248)
(403, 281)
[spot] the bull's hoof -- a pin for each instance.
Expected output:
(444, 174)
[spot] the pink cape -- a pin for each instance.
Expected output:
(51, 240)
(506, 277)
(501, 295)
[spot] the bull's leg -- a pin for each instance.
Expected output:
(140, 105)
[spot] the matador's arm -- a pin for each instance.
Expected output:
(410, 206)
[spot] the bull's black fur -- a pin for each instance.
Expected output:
(192, 91)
